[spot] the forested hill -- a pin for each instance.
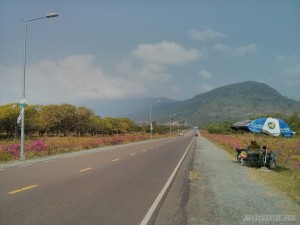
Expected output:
(232, 102)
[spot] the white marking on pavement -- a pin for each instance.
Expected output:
(25, 165)
(48, 161)
(158, 199)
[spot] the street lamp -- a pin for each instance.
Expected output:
(171, 123)
(23, 100)
(151, 127)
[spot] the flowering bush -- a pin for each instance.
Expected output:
(38, 145)
(117, 140)
(58, 145)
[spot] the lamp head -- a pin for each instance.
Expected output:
(49, 15)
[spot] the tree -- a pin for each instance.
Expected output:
(65, 118)
(47, 121)
(31, 122)
(106, 125)
(95, 125)
(8, 119)
(220, 127)
(84, 121)
(294, 122)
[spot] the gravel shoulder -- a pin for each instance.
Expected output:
(222, 192)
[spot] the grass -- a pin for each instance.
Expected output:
(284, 180)
(286, 176)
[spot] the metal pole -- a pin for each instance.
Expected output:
(23, 100)
(151, 126)
(150, 123)
(22, 157)
(170, 126)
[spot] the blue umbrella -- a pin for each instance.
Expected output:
(272, 126)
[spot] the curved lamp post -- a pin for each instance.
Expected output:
(23, 100)
(151, 127)
(171, 123)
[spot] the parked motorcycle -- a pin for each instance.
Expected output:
(256, 158)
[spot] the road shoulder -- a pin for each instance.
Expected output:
(224, 193)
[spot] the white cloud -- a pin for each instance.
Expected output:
(205, 35)
(77, 79)
(68, 80)
(165, 53)
(239, 51)
(205, 74)
(148, 63)
(292, 76)
(150, 76)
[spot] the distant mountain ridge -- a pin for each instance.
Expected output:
(231, 102)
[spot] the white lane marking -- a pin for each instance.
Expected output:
(133, 154)
(25, 165)
(48, 161)
(144, 150)
(115, 160)
(158, 199)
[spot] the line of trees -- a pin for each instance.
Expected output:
(63, 120)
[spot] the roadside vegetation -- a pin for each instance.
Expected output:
(286, 176)
(56, 129)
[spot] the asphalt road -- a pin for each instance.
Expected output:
(111, 187)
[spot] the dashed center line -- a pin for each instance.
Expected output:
(115, 160)
(133, 154)
(22, 189)
(86, 169)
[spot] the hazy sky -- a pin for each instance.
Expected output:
(110, 49)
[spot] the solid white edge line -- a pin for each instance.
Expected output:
(25, 165)
(156, 202)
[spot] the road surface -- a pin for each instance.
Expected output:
(111, 187)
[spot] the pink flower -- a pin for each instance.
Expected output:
(38, 145)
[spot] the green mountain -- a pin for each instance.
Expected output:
(232, 102)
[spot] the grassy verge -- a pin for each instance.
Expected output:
(282, 179)
(285, 177)
(39, 147)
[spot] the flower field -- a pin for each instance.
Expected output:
(288, 149)
(10, 150)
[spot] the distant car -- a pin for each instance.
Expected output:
(180, 134)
